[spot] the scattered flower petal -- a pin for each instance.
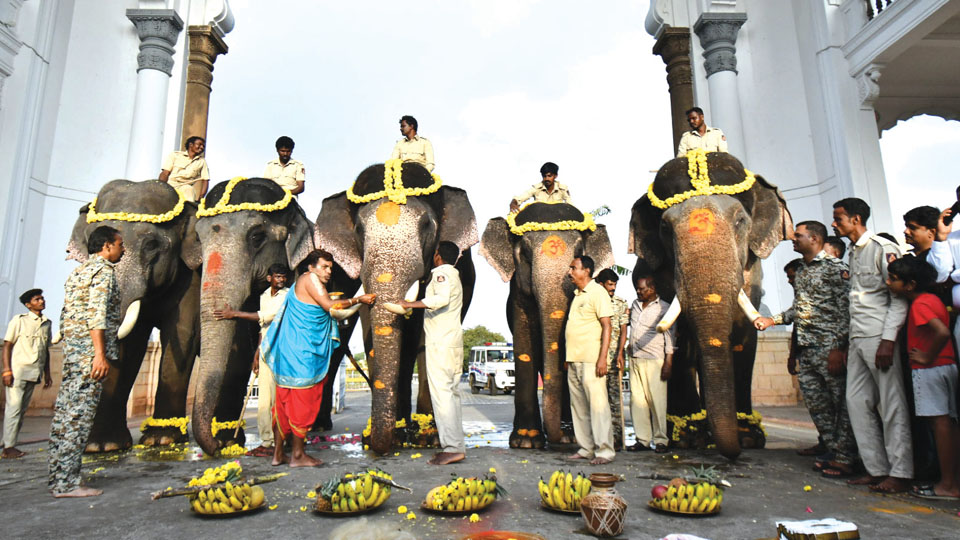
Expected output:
(493, 470)
(411, 516)
(272, 507)
(809, 510)
(402, 510)
(311, 494)
(303, 508)
(474, 518)
(676, 456)
(807, 488)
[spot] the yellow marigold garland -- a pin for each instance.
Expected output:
(566, 225)
(93, 216)
(681, 422)
(178, 422)
(223, 206)
(216, 426)
(700, 179)
(393, 186)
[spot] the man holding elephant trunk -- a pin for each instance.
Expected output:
(588, 340)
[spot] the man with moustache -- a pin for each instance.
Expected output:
(700, 136)
(286, 172)
(548, 190)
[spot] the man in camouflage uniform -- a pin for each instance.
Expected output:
(89, 323)
(820, 314)
(618, 337)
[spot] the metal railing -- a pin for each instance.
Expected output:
(875, 7)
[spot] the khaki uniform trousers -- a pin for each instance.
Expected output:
(18, 399)
(591, 411)
(648, 401)
(878, 412)
(444, 367)
(266, 397)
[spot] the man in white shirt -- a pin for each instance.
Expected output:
(700, 136)
(25, 357)
(286, 172)
(413, 147)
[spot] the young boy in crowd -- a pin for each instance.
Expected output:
(933, 367)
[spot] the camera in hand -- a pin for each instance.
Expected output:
(953, 210)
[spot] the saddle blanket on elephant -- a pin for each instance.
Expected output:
(299, 344)
(296, 409)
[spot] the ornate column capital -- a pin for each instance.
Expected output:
(718, 36)
(205, 45)
(868, 85)
(158, 30)
(673, 47)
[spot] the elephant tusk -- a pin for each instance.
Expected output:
(412, 292)
(129, 320)
(747, 306)
(670, 316)
(396, 309)
(341, 314)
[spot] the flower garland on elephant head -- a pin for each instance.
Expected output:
(700, 180)
(393, 187)
(93, 216)
(223, 206)
(566, 225)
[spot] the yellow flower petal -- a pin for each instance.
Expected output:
(474, 518)
(411, 516)
(402, 510)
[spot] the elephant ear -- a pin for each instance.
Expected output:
(644, 240)
(77, 247)
(335, 233)
(597, 245)
(772, 222)
(458, 224)
(190, 250)
(497, 248)
(300, 235)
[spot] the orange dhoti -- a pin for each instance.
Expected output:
(295, 409)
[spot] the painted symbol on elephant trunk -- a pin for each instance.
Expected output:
(702, 222)
(524, 357)
(553, 246)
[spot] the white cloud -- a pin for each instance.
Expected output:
(491, 16)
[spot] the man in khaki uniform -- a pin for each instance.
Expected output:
(549, 190)
(187, 171)
(588, 341)
(876, 401)
(444, 345)
(25, 357)
(413, 147)
(700, 136)
(286, 172)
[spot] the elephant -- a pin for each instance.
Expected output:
(536, 264)
(244, 227)
(385, 238)
(159, 282)
(703, 241)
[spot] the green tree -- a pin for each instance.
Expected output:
(478, 335)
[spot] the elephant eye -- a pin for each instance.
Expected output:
(257, 238)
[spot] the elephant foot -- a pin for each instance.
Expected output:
(323, 424)
(162, 436)
(225, 438)
(108, 441)
(527, 438)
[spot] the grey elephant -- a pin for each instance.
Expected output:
(535, 260)
(385, 237)
(244, 227)
(702, 229)
(159, 285)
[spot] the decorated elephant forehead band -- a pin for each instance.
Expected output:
(223, 206)
(700, 179)
(566, 225)
(93, 216)
(393, 186)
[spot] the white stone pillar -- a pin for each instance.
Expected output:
(158, 30)
(718, 37)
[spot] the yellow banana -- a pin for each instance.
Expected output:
(712, 505)
(468, 503)
(367, 487)
(681, 491)
(694, 504)
(235, 502)
(553, 480)
(202, 496)
(703, 505)
(671, 492)
(384, 495)
(674, 505)
(374, 494)
(197, 506)
(247, 490)
(208, 507)
(350, 491)
(459, 506)
(340, 490)
(577, 483)
(684, 503)
(557, 498)
(344, 507)
(352, 505)
(585, 488)
(361, 502)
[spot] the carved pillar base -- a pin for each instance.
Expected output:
(673, 46)
(205, 45)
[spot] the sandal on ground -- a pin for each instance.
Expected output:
(637, 447)
(927, 492)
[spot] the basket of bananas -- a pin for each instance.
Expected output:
(354, 493)
(463, 495)
(221, 492)
(563, 492)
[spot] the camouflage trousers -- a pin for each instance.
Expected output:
(616, 403)
(825, 396)
(72, 419)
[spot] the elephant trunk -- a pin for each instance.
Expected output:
(384, 373)
(552, 315)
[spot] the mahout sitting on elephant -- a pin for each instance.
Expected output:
(533, 250)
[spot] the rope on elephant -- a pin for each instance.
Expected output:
(393, 187)
(700, 180)
(530, 210)
(224, 206)
(93, 216)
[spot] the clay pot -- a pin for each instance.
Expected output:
(603, 509)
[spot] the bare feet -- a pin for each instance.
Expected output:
(81, 491)
(304, 460)
(600, 461)
(279, 457)
(866, 480)
(12, 453)
(446, 458)
(576, 456)
(891, 485)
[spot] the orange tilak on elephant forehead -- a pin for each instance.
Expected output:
(558, 314)
(713, 298)
(385, 277)
(701, 222)
(524, 357)
(378, 384)
(383, 331)
(388, 213)
(553, 246)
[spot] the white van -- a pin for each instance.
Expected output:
(491, 367)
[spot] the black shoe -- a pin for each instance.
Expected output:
(661, 449)
(637, 447)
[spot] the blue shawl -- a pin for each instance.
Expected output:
(299, 343)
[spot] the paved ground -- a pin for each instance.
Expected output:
(767, 486)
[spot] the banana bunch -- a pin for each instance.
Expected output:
(354, 492)
(699, 498)
(464, 494)
(563, 491)
(227, 499)
(230, 470)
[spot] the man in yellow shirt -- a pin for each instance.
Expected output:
(588, 342)
(413, 147)
(187, 171)
(549, 190)
(287, 173)
(700, 136)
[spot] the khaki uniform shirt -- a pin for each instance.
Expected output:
(269, 305)
(584, 331)
(645, 341)
(185, 172)
(712, 140)
(873, 310)
(30, 336)
(444, 300)
(417, 149)
(91, 302)
(539, 193)
(286, 176)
